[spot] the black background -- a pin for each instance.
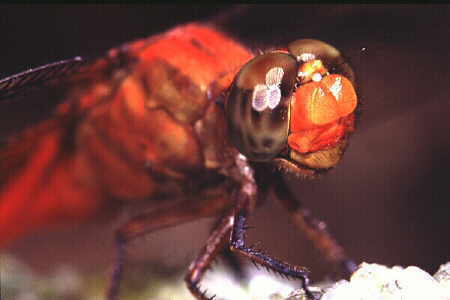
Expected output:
(387, 202)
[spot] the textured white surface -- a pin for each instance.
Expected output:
(378, 282)
(369, 282)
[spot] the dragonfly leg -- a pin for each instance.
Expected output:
(257, 256)
(209, 252)
(229, 257)
(315, 230)
(164, 217)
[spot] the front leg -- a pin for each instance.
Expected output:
(257, 256)
(234, 223)
(245, 198)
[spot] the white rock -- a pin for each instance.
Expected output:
(378, 282)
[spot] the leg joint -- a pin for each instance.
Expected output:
(236, 245)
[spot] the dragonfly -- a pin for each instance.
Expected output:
(350, 148)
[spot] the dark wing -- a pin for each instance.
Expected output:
(21, 82)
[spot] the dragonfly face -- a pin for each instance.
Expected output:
(298, 102)
(398, 166)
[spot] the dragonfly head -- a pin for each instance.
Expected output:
(293, 107)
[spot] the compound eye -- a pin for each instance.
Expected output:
(309, 49)
(257, 106)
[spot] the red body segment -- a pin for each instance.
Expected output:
(140, 132)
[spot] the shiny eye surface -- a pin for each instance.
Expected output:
(322, 106)
(309, 49)
(257, 106)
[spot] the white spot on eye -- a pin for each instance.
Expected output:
(259, 98)
(269, 94)
(305, 57)
(316, 77)
(274, 76)
(274, 97)
(336, 89)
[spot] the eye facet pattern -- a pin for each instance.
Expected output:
(257, 106)
(322, 105)
(268, 94)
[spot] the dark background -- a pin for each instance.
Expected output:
(387, 202)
